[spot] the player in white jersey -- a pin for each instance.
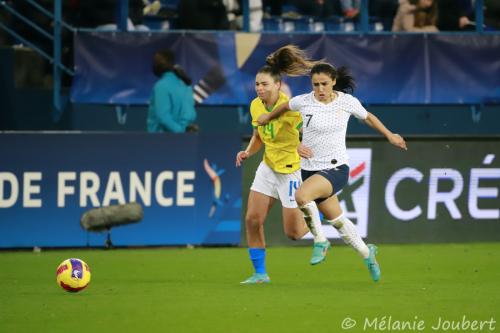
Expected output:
(325, 170)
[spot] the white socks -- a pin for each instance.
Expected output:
(350, 235)
(344, 226)
(311, 215)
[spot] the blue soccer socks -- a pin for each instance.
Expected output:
(258, 257)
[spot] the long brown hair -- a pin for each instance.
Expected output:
(289, 60)
(425, 16)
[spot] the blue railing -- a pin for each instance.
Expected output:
(339, 24)
(364, 18)
(56, 39)
(479, 16)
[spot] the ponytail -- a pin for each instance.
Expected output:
(344, 79)
(290, 60)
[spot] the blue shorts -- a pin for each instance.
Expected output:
(338, 177)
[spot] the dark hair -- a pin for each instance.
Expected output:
(288, 60)
(425, 16)
(272, 71)
(344, 79)
(164, 61)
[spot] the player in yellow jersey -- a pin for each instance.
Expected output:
(278, 175)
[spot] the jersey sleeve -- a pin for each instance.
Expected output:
(254, 114)
(356, 109)
(296, 103)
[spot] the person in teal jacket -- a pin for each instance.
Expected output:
(171, 106)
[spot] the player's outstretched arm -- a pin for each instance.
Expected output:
(393, 138)
(304, 151)
(253, 146)
(264, 119)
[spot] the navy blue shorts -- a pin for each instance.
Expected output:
(338, 177)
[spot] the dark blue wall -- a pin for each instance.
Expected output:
(31, 109)
(430, 119)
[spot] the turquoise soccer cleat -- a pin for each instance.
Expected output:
(257, 278)
(372, 264)
(319, 252)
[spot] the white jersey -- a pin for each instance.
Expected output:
(324, 128)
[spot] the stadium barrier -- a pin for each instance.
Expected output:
(440, 190)
(187, 184)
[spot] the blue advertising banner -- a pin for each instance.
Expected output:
(187, 184)
(115, 68)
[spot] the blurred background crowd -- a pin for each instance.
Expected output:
(269, 15)
(263, 15)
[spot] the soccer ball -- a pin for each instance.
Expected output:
(73, 275)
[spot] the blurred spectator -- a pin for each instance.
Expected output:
(453, 15)
(416, 16)
(234, 14)
(384, 11)
(350, 8)
(171, 106)
(492, 14)
(256, 15)
(234, 10)
(152, 7)
(202, 15)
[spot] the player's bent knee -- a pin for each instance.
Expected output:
(301, 198)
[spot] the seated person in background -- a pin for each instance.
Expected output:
(452, 15)
(416, 16)
(171, 106)
(350, 8)
(256, 15)
(234, 14)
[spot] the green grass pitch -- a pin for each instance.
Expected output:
(197, 290)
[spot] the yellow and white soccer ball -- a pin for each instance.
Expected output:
(73, 275)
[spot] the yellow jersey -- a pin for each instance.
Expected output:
(280, 136)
